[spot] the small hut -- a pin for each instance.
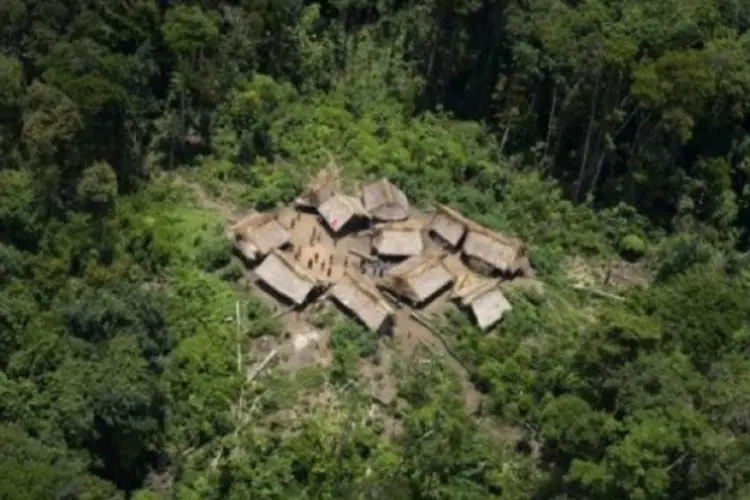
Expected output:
(398, 240)
(340, 211)
(286, 278)
(483, 297)
(448, 226)
(489, 252)
(257, 234)
(385, 202)
(323, 186)
(418, 279)
(361, 299)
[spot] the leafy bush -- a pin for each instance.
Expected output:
(632, 247)
(214, 252)
(348, 332)
(233, 272)
(261, 319)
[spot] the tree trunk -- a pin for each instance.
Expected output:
(587, 142)
(552, 120)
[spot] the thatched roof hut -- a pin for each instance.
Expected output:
(339, 210)
(418, 279)
(469, 285)
(286, 278)
(258, 233)
(483, 297)
(489, 308)
(448, 225)
(384, 201)
(324, 185)
(360, 298)
(490, 251)
(398, 240)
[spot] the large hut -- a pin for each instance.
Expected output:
(483, 297)
(286, 278)
(360, 298)
(489, 252)
(257, 234)
(341, 211)
(419, 279)
(323, 186)
(398, 240)
(385, 202)
(448, 227)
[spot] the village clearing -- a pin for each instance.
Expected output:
(372, 257)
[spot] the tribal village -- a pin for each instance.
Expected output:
(384, 264)
(392, 250)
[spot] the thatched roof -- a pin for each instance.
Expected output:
(498, 251)
(258, 233)
(489, 308)
(398, 241)
(339, 209)
(384, 201)
(321, 188)
(361, 298)
(469, 286)
(449, 225)
(286, 277)
(418, 278)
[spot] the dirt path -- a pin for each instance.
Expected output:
(412, 333)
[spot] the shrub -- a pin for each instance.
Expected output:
(233, 272)
(632, 247)
(214, 253)
(261, 320)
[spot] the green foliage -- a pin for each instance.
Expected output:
(261, 320)
(349, 342)
(214, 252)
(97, 188)
(632, 247)
(347, 332)
(595, 128)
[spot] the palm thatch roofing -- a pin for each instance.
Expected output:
(339, 209)
(324, 185)
(258, 233)
(469, 286)
(385, 202)
(286, 277)
(399, 239)
(449, 225)
(489, 307)
(360, 298)
(483, 297)
(498, 251)
(418, 278)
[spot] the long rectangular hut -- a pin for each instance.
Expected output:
(489, 252)
(418, 279)
(360, 298)
(398, 240)
(448, 226)
(286, 278)
(257, 234)
(483, 297)
(340, 211)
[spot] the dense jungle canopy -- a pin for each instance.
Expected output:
(601, 132)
